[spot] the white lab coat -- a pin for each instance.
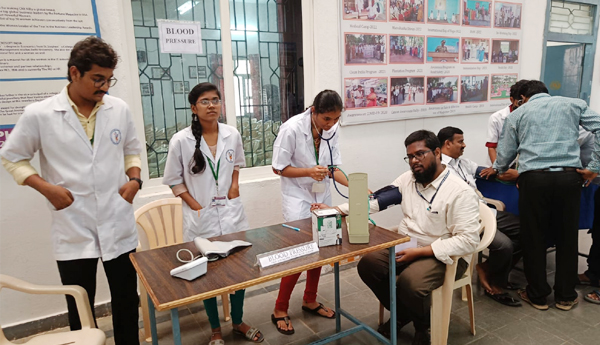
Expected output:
(99, 222)
(213, 220)
(294, 147)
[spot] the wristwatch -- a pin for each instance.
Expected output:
(137, 180)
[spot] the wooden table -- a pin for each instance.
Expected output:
(239, 271)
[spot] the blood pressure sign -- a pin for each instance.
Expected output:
(179, 37)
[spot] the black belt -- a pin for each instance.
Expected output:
(555, 169)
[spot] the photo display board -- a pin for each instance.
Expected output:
(406, 59)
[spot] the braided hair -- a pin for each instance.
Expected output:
(198, 163)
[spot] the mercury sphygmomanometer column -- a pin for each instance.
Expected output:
(358, 217)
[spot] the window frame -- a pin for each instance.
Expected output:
(589, 40)
(154, 186)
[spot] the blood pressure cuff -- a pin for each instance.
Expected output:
(388, 196)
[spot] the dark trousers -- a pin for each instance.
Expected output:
(414, 285)
(593, 260)
(549, 208)
(505, 249)
(122, 281)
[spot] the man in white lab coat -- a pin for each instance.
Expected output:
(90, 173)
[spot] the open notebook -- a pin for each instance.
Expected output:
(216, 249)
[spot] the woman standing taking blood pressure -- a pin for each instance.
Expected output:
(305, 146)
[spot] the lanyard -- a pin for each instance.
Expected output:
(214, 173)
(316, 153)
(436, 191)
(460, 172)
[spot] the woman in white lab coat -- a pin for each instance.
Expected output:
(305, 179)
(202, 169)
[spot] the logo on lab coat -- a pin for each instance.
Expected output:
(229, 155)
(115, 136)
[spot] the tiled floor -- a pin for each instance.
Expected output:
(495, 323)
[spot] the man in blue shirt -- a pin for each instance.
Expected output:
(544, 132)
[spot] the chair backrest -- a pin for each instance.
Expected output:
(162, 221)
(488, 227)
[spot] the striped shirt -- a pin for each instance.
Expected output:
(544, 133)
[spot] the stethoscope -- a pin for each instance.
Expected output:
(330, 167)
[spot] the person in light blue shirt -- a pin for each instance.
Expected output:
(544, 132)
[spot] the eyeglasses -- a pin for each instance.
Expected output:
(419, 156)
(206, 102)
(98, 83)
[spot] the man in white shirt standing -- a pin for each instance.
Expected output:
(496, 121)
(90, 173)
(442, 213)
(505, 248)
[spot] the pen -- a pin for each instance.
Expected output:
(290, 227)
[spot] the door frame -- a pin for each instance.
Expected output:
(589, 40)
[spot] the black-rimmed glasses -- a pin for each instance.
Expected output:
(418, 155)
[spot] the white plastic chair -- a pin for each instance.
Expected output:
(441, 298)
(162, 223)
(87, 335)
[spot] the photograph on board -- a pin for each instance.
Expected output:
(505, 51)
(475, 50)
(507, 15)
(442, 90)
(365, 49)
(443, 12)
(365, 92)
(501, 84)
(442, 49)
(407, 11)
(474, 88)
(407, 49)
(477, 13)
(365, 10)
(407, 91)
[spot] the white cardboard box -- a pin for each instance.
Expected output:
(327, 227)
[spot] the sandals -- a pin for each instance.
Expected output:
(504, 298)
(566, 305)
(315, 311)
(216, 341)
(285, 319)
(523, 294)
(590, 299)
(250, 334)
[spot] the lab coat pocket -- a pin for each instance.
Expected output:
(124, 220)
(235, 212)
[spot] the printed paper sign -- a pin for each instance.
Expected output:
(287, 254)
(179, 37)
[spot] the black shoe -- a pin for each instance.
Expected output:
(384, 329)
(504, 298)
(421, 338)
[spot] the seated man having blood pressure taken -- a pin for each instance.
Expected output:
(442, 213)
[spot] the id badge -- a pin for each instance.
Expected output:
(318, 187)
(218, 201)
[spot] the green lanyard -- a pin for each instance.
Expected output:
(316, 153)
(215, 173)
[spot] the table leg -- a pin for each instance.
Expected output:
(338, 316)
(152, 314)
(392, 265)
(175, 326)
